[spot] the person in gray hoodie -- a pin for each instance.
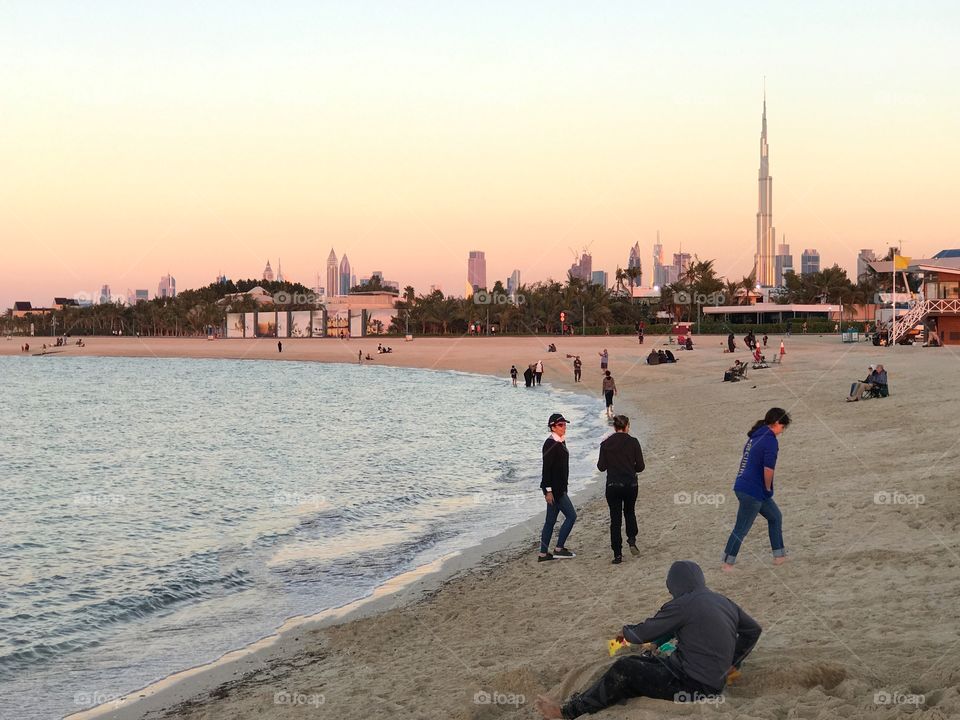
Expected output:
(713, 636)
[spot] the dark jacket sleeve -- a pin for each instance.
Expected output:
(549, 461)
(602, 460)
(748, 632)
(667, 620)
(638, 461)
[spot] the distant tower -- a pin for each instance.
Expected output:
(167, 287)
(865, 257)
(784, 262)
(809, 262)
(476, 272)
(333, 276)
(764, 259)
(659, 277)
(268, 272)
(279, 272)
(344, 286)
(634, 260)
(513, 283)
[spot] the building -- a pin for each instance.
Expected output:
(633, 260)
(864, 258)
(936, 307)
(659, 274)
(784, 263)
(582, 268)
(513, 283)
(681, 263)
(22, 308)
(343, 286)
(105, 295)
(280, 277)
(764, 264)
(600, 277)
(476, 272)
(268, 273)
(809, 262)
(167, 287)
(135, 296)
(333, 277)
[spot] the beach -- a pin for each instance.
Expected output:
(861, 622)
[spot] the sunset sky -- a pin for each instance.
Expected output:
(196, 138)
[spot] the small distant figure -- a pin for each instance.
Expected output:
(804, 327)
(689, 344)
(577, 368)
(279, 346)
(369, 357)
(551, 347)
(836, 327)
(609, 388)
(789, 327)
(663, 357)
(360, 357)
(513, 374)
(653, 358)
(731, 342)
(765, 338)
(538, 371)
(528, 376)
(604, 359)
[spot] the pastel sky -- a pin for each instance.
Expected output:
(139, 138)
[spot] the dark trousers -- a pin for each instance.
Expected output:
(576, 374)
(538, 376)
(622, 501)
(634, 676)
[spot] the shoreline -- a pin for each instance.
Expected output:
(862, 615)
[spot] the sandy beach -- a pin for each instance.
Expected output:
(862, 622)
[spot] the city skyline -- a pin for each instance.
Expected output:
(228, 152)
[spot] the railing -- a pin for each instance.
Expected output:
(919, 310)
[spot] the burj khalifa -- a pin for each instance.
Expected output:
(764, 260)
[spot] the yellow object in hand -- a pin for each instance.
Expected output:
(614, 645)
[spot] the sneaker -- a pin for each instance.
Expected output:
(563, 553)
(634, 550)
(618, 559)
(544, 558)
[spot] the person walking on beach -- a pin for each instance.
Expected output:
(621, 458)
(714, 636)
(609, 388)
(577, 368)
(754, 487)
(538, 371)
(528, 376)
(731, 342)
(604, 359)
(553, 483)
(513, 374)
(279, 346)
(360, 357)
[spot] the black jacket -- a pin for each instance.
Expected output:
(621, 458)
(556, 467)
(712, 631)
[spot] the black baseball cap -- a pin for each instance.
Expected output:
(557, 418)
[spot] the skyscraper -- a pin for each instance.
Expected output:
(513, 283)
(763, 265)
(333, 277)
(476, 272)
(681, 263)
(784, 262)
(582, 268)
(865, 256)
(344, 285)
(633, 261)
(268, 272)
(105, 295)
(167, 287)
(809, 262)
(659, 274)
(599, 277)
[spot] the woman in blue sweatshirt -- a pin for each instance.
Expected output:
(754, 487)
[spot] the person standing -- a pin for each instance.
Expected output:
(577, 368)
(360, 357)
(553, 483)
(731, 342)
(754, 487)
(513, 374)
(528, 376)
(279, 346)
(609, 388)
(538, 371)
(765, 338)
(604, 359)
(621, 458)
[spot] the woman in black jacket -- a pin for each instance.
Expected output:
(621, 458)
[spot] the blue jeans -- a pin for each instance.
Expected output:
(750, 507)
(560, 505)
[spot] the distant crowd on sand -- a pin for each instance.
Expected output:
(696, 643)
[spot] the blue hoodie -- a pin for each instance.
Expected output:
(760, 452)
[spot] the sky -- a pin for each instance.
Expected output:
(204, 138)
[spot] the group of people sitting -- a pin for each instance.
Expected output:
(684, 342)
(551, 347)
(660, 357)
(875, 385)
(381, 349)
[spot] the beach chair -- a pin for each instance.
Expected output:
(878, 390)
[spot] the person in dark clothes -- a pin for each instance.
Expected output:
(663, 357)
(621, 458)
(731, 343)
(689, 344)
(553, 483)
(713, 637)
(513, 374)
(279, 346)
(653, 358)
(754, 487)
(577, 368)
(609, 388)
(528, 376)
(671, 358)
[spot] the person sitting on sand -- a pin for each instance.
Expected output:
(689, 343)
(754, 487)
(663, 357)
(713, 637)
(671, 358)
(861, 387)
(653, 358)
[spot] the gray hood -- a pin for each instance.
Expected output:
(685, 576)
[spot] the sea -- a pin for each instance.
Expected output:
(158, 513)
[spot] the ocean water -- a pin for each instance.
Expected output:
(158, 513)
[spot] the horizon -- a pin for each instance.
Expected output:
(201, 141)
